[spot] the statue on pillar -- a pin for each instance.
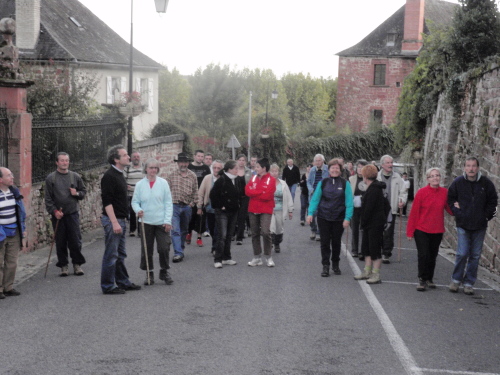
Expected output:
(9, 53)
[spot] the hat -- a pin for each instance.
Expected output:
(182, 157)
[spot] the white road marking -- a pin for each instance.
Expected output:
(438, 285)
(457, 372)
(396, 341)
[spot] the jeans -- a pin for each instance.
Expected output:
(180, 224)
(226, 222)
(163, 241)
(242, 219)
(68, 236)
(428, 250)
(261, 224)
(293, 188)
(304, 205)
(212, 229)
(355, 224)
(470, 245)
(330, 240)
(314, 225)
(113, 262)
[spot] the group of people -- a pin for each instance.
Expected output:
(224, 198)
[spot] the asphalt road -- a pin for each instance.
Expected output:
(249, 320)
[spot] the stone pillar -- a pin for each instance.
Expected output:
(13, 99)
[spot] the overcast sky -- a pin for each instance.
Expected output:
(282, 35)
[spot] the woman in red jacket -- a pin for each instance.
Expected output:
(260, 189)
(426, 225)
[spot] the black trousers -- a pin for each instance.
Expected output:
(132, 217)
(428, 249)
(331, 237)
(371, 244)
(388, 238)
(163, 241)
(242, 219)
(355, 223)
(68, 237)
(197, 222)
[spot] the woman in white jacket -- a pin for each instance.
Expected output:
(283, 207)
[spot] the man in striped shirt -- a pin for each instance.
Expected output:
(184, 188)
(12, 231)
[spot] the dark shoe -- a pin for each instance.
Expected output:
(132, 287)
(177, 258)
(277, 248)
(336, 269)
(361, 257)
(326, 271)
(165, 276)
(354, 255)
(422, 286)
(11, 293)
(151, 278)
(239, 242)
(2, 296)
(114, 291)
(385, 259)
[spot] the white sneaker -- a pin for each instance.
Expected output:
(206, 234)
(270, 262)
(318, 238)
(255, 262)
(218, 265)
(229, 262)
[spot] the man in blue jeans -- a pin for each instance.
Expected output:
(184, 189)
(473, 200)
(113, 219)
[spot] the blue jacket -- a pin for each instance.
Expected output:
(348, 200)
(156, 202)
(312, 174)
(477, 200)
(20, 215)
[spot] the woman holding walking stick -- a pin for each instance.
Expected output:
(426, 225)
(152, 202)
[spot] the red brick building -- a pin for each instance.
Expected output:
(372, 72)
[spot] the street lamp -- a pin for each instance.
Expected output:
(161, 7)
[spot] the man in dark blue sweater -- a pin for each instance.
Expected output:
(473, 200)
(114, 219)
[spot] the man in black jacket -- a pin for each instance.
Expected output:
(473, 200)
(114, 220)
(291, 175)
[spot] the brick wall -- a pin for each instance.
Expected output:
(163, 149)
(450, 139)
(357, 96)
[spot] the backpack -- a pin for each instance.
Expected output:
(72, 178)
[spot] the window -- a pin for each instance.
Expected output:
(391, 39)
(379, 76)
(377, 115)
(115, 86)
(398, 84)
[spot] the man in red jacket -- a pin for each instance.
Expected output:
(260, 189)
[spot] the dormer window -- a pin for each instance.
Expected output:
(391, 38)
(73, 19)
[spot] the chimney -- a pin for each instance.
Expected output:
(27, 23)
(414, 27)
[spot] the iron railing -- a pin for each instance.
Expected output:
(86, 142)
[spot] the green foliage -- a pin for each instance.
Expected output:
(60, 91)
(475, 33)
(163, 129)
(173, 97)
(369, 146)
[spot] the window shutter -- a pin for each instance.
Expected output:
(150, 95)
(109, 90)
(138, 87)
(123, 86)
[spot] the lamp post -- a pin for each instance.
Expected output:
(250, 126)
(161, 7)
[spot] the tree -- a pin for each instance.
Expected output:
(475, 33)
(173, 97)
(60, 90)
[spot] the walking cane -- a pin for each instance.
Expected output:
(346, 240)
(145, 250)
(400, 230)
(52, 246)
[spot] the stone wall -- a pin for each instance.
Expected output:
(474, 132)
(39, 227)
